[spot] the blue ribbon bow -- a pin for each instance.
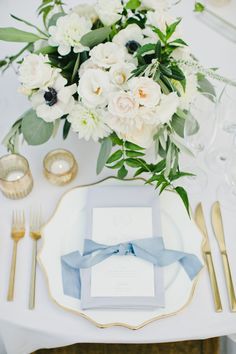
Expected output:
(151, 250)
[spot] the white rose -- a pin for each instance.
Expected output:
(146, 91)
(109, 11)
(88, 123)
(142, 136)
(55, 101)
(94, 87)
(34, 72)
(131, 34)
(68, 32)
(167, 108)
(123, 104)
(88, 64)
(120, 73)
(85, 10)
(107, 54)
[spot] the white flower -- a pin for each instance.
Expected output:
(68, 32)
(142, 136)
(94, 87)
(160, 19)
(88, 123)
(158, 5)
(35, 72)
(87, 11)
(107, 54)
(109, 11)
(168, 106)
(88, 64)
(146, 91)
(123, 104)
(55, 101)
(120, 73)
(131, 35)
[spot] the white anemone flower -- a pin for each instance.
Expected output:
(68, 32)
(131, 38)
(107, 54)
(55, 101)
(88, 123)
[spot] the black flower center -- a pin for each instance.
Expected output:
(50, 96)
(132, 46)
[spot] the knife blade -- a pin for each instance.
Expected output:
(217, 224)
(200, 221)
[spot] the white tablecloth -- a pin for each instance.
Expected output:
(23, 331)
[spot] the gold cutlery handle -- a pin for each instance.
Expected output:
(33, 276)
(214, 284)
(10, 295)
(229, 282)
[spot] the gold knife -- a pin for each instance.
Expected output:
(200, 221)
(218, 228)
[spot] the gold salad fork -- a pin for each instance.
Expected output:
(35, 234)
(17, 233)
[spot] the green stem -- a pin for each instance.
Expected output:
(14, 57)
(76, 68)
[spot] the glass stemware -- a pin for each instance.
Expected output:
(199, 126)
(225, 131)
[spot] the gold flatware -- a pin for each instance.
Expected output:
(35, 234)
(218, 228)
(17, 233)
(200, 221)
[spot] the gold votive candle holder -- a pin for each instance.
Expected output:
(60, 167)
(16, 180)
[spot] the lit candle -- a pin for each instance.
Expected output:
(14, 176)
(60, 166)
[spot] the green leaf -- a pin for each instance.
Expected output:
(34, 129)
(116, 165)
(184, 196)
(114, 157)
(122, 173)
(177, 73)
(178, 41)
(46, 50)
(104, 153)
(133, 162)
(54, 18)
(11, 34)
(146, 48)
(160, 166)
(131, 153)
(66, 129)
(133, 4)
(171, 28)
(132, 146)
(28, 24)
(140, 171)
(95, 37)
(166, 71)
(205, 86)
(158, 50)
(178, 124)
(199, 7)
(160, 34)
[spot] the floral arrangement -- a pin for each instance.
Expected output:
(117, 72)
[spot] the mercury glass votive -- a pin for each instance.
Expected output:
(60, 167)
(16, 180)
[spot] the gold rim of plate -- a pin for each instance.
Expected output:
(114, 324)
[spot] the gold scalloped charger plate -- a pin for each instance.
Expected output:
(61, 236)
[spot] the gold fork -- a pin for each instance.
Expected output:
(17, 233)
(35, 234)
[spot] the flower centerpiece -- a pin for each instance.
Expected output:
(117, 72)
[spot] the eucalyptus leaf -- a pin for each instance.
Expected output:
(104, 153)
(133, 4)
(178, 124)
(34, 129)
(11, 34)
(95, 37)
(54, 18)
(205, 86)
